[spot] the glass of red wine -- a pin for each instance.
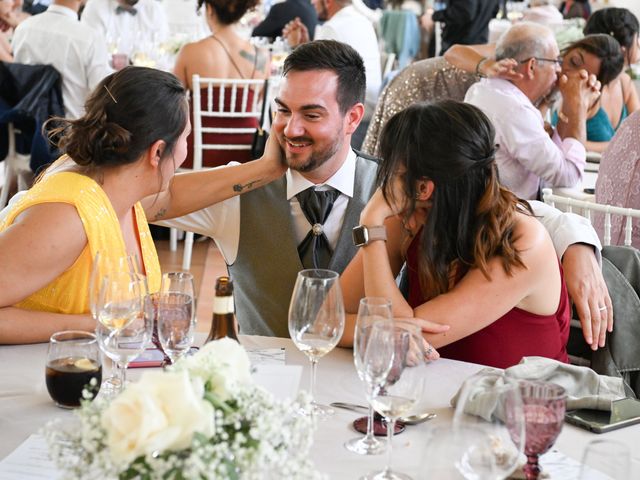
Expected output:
(544, 405)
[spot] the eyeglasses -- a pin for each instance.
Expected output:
(557, 61)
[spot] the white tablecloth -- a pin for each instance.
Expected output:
(25, 406)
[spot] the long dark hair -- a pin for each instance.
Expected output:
(620, 23)
(471, 217)
(607, 49)
(127, 112)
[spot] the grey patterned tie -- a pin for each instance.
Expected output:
(315, 251)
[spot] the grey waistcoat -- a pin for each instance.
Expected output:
(265, 269)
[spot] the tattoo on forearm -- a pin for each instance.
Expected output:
(161, 213)
(239, 188)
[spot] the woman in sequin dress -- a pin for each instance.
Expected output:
(423, 81)
(118, 169)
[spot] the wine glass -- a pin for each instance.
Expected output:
(316, 321)
(544, 405)
(605, 460)
(102, 267)
(401, 388)
(498, 457)
(123, 329)
(176, 314)
(374, 316)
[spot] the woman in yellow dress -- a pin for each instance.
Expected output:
(118, 170)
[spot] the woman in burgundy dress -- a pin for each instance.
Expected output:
(224, 54)
(477, 259)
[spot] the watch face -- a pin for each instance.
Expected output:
(360, 235)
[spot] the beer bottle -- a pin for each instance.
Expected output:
(223, 323)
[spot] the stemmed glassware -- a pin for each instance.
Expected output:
(493, 453)
(123, 330)
(176, 314)
(373, 320)
(401, 388)
(316, 320)
(544, 406)
(102, 268)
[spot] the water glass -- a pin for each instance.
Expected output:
(544, 406)
(176, 314)
(373, 320)
(73, 364)
(316, 321)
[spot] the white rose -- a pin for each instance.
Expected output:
(160, 412)
(233, 366)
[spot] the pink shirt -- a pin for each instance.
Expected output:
(528, 158)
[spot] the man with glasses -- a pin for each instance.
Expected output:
(531, 153)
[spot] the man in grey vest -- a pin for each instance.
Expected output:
(267, 235)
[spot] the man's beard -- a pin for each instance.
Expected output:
(316, 160)
(550, 98)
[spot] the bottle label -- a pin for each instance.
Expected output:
(222, 305)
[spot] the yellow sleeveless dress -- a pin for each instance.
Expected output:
(69, 292)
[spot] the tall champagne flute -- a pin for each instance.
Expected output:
(176, 314)
(123, 330)
(316, 321)
(374, 317)
(402, 387)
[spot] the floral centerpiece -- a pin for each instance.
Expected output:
(203, 418)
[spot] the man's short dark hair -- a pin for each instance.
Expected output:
(338, 57)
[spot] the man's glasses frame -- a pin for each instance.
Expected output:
(557, 61)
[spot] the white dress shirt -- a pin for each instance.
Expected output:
(76, 51)
(222, 220)
(528, 158)
(126, 33)
(351, 27)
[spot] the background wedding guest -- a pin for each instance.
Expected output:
(465, 21)
(601, 54)
(528, 157)
(282, 13)
(575, 9)
(224, 54)
(130, 25)
(619, 178)
(543, 11)
(342, 22)
(5, 47)
(86, 202)
(76, 51)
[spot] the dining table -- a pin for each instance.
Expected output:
(25, 407)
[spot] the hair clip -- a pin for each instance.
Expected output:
(110, 94)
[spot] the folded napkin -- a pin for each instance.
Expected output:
(584, 387)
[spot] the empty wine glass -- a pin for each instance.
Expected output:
(605, 460)
(123, 329)
(316, 320)
(176, 314)
(401, 388)
(544, 405)
(374, 317)
(451, 453)
(496, 454)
